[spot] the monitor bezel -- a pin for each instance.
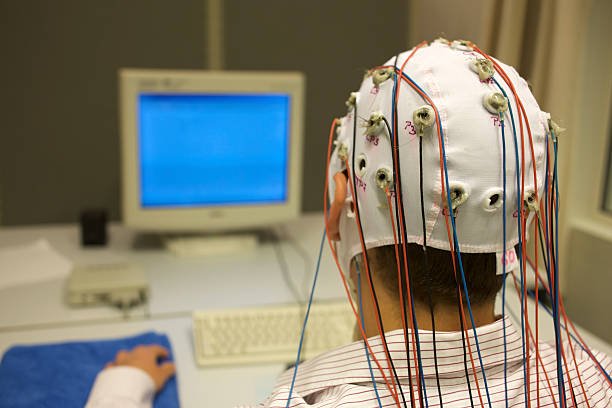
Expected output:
(235, 216)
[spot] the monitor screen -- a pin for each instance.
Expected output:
(198, 150)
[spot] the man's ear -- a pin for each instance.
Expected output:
(335, 210)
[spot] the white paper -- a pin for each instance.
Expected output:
(31, 263)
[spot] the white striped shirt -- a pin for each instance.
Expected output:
(342, 378)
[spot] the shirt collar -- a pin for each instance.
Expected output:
(348, 364)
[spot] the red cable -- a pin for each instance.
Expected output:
(363, 247)
(569, 340)
(565, 318)
(401, 226)
(567, 321)
(586, 347)
(335, 256)
(450, 238)
(537, 321)
(449, 235)
(521, 112)
(538, 357)
(562, 355)
(399, 278)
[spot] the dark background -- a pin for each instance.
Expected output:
(59, 139)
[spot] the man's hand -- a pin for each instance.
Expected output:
(145, 358)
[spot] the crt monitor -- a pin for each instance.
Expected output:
(209, 151)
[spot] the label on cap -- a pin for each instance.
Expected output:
(508, 258)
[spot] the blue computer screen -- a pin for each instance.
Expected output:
(213, 149)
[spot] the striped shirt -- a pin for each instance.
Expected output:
(342, 377)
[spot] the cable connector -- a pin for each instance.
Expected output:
(338, 126)
(554, 129)
(462, 45)
(483, 67)
(384, 177)
(422, 118)
(458, 195)
(495, 103)
(381, 75)
(374, 126)
(351, 101)
(531, 201)
(342, 150)
(442, 40)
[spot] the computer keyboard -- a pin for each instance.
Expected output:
(269, 334)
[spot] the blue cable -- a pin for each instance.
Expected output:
(550, 274)
(416, 331)
(547, 232)
(520, 254)
(605, 373)
(555, 314)
(364, 342)
(557, 321)
(455, 241)
(314, 283)
(557, 334)
(504, 260)
(414, 323)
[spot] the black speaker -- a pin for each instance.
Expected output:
(93, 228)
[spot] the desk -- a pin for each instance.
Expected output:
(37, 313)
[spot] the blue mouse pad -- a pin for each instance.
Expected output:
(61, 375)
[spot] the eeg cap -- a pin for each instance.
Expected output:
(459, 82)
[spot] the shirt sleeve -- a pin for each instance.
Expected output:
(126, 387)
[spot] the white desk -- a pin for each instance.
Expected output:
(37, 313)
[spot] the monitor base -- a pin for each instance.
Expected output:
(198, 246)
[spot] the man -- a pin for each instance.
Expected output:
(441, 162)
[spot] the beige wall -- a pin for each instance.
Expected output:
(588, 230)
(562, 48)
(466, 20)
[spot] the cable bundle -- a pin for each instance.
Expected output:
(539, 208)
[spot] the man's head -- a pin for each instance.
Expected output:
(433, 276)
(444, 122)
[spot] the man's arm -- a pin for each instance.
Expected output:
(132, 379)
(125, 386)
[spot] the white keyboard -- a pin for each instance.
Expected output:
(269, 334)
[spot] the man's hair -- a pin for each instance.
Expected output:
(481, 279)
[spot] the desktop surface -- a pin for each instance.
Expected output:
(179, 286)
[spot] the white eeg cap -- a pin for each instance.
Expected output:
(473, 147)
